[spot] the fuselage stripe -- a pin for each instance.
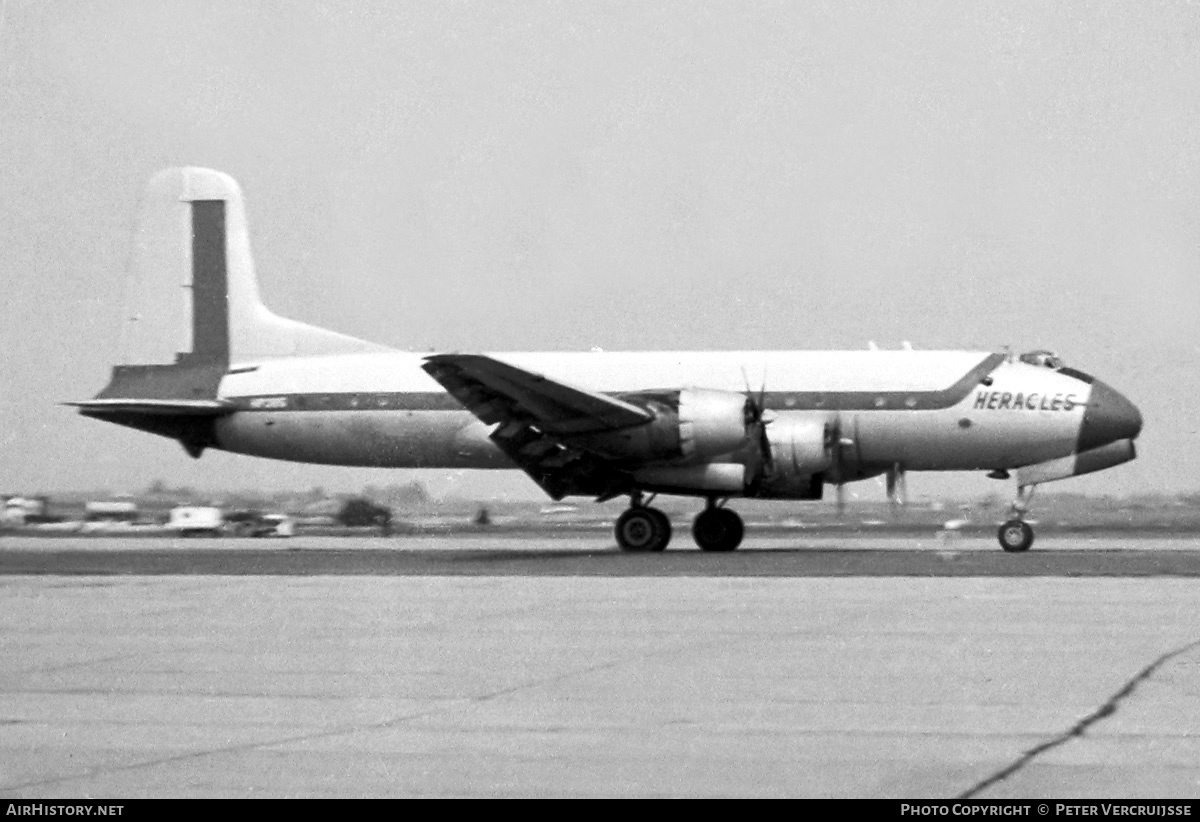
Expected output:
(773, 400)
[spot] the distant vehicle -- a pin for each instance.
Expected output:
(250, 523)
(110, 512)
(13, 514)
(23, 510)
(106, 517)
(275, 525)
(194, 520)
(242, 523)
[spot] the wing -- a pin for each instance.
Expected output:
(497, 392)
(535, 414)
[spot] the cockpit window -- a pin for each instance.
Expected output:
(1047, 359)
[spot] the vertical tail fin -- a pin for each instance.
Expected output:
(192, 249)
(228, 319)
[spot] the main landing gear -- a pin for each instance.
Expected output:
(717, 529)
(1016, 535)
(643, 529)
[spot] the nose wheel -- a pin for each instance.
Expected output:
(1016, 535)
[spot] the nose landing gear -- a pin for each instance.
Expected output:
(1016, 535)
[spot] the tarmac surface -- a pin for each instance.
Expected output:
(492, 665)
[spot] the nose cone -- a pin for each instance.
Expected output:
(1109, 417)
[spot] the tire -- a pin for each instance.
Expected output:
(664, 523)
(1015, 536)
(642, 530)
(718, 529)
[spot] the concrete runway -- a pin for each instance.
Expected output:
(492, 666)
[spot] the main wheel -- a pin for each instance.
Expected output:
(664, 522)
(718, 529)
(1015, 536)
(643, 529)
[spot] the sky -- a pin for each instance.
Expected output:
(492, 176)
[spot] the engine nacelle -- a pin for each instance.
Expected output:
(691, 425)
(712, 422)
(800, 455)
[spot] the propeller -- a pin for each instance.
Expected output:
(833, 438)
(756, 409)
(897, 486)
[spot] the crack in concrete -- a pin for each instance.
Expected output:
(343, 729)
(1107, 709)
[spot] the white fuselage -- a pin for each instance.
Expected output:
(923, 410)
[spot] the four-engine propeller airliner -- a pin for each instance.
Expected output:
(712, 425)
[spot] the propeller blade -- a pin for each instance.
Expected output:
(897, 483)
(833, 437)
(756, 417)
(762, 396)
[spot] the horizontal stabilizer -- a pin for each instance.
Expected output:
(166, 408)
(192, 422)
